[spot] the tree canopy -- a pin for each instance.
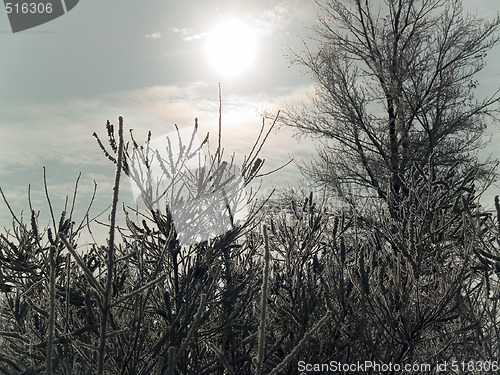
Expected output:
(395, 87)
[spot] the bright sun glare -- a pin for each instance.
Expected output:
(231, 47)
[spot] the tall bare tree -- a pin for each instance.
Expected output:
(395, 87)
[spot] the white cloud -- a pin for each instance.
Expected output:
(194, 37)
(181, 31)
(156, 35)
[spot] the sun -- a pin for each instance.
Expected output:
(231, 47)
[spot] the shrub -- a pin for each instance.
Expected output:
(296, 280)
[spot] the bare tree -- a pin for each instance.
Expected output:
(395, 87)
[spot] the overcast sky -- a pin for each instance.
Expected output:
(146, 61)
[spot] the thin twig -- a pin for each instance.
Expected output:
(301, 344)
(82, 265)
(262, 328)
(219, 155)
(222, 358)
(111, 250)
(52, 309)
(48, 199)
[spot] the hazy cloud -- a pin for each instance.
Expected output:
(156, 35)
(194, 37)
(187, 33)
(59, 137)
(284, 14)
(181, 31)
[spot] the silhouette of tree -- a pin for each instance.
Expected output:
(395, 87)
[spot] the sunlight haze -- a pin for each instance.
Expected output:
(157, 64)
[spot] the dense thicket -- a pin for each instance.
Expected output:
(299, 282)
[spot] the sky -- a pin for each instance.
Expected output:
(147, 61)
